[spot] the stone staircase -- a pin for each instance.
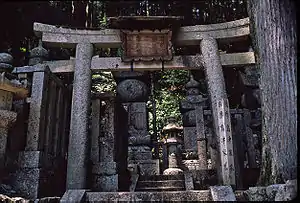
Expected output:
(160, 183)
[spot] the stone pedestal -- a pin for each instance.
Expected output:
(28, 178)
(105, 177)
(139, 141)
(173, 166)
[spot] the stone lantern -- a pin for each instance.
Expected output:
(38, 55)
(173, 143)
(9, 87)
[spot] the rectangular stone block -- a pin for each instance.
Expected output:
(27, 180)
(75, 196)
(30, 159)
(106, 183)
(105, 168)
(190, 138)
(222, 193)
(6, 100)
(147, 167)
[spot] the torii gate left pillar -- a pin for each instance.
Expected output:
(78, 140)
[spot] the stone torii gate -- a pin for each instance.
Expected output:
(210, 60)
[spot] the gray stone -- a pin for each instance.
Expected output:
(75, 196)
(107, 183)
(190, 138)
(222, 193)
(30, 159)
(256, 194)
(6, 99)
(105, 168)
(188, 180)
(38, 55)
(36, 119)
(271, 191)
(220, 108)
(287, 192)
(168, 196)
(6, 61)
(27, 181)
(132, 90)
(78, 142)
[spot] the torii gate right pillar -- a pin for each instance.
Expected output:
(220, 109)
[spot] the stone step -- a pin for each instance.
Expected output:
(159, 189)
(161, 177)
(161, 183)
(166, 196)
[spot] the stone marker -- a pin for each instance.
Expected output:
(222, 193)
(220, 108)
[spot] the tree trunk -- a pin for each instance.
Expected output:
(273, 26)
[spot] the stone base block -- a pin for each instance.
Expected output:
(166, 196)
(146, 167)
(27, 181)
(222, 193)
(105, 168)
(105, 183)
(73, 196)
(139, 153)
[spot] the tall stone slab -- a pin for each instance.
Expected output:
(220, 108)
(104, 170)
(78, 140)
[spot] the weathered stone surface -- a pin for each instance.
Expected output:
(75, 196)
(220, 108)
(132, 90)
(78, 141)
(287, 192)
(146, 167)
(256, 194)
(222, 193)
(189, 35)
(30, 159)
(6, 61)
(105, 168)
(188, 180)
(36, 119)
(7, 118)
(38, 55)
(107, 183)
(190, 137)
(182, 196)
(271, 191)
(6, 99)
(27, 181)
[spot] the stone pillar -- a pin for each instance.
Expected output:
(78, 140)
(220, 108)
(105, 177)
(31, 161)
